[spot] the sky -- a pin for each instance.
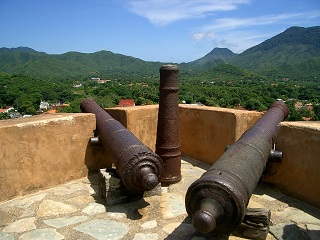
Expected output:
(152, 30)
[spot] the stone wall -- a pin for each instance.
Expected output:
(43, 151)
(141, 121)
(298, 173)
(205, 131)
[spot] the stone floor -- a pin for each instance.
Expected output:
(75, 211)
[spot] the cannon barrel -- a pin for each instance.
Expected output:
(138, 166)
(168, 140)
(217, 201)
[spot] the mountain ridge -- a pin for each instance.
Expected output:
(216, 53)
(215, 57)
(293, 46)
(17, 49)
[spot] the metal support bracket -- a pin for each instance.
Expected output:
(275, 156)
(95, 141)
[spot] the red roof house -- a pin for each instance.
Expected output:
(126, 103)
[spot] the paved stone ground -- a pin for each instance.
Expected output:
(75, 211)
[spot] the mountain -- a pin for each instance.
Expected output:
(18, 49)
(229, 73)
(293, 46)
(71, 64)
(216, 53)
(27, 61)
(215, 57)
(308, 70)
(292, 53)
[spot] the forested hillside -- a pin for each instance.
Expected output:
(296, 47)
(275, 69)
(71, 64)
(293, 46)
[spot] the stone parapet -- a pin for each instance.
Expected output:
(205, 131)
(44, 151)
(298, 173)
(140, 120)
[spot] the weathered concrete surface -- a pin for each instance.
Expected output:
(298, 173)
(140, 120)
(205, 131)
(44, 151)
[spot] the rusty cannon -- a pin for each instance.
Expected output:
(139, 168)
(168, 140)
(217, 201)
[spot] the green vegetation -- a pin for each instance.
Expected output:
(223, 86)
(4, 116)
(286, 67)
(25, 93)
(229, 86)
(293, 46)
(72, 65)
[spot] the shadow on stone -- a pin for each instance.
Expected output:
(93, 177)
(112, 189)
(293, 232)
(133, 210)
(117, 199)
(186, 231)
(97, 157)
(271, 191)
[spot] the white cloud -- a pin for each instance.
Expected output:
(202, 35)
(225, 24)
(238, 41)
(161, 12)
(238, 34)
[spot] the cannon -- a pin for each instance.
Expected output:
(168, 141)
(217, 201)
(139, 168)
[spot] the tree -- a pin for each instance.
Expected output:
(30, 110)
(316, 110)
(254, 104)
(304, 112)
(27, 108)
(293, 115)
(149, 102)
(65, 96)
(140, 101)
(4, 116)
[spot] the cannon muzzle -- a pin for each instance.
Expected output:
(138, 166)
(217, 201)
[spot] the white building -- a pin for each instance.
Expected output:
(44, 105)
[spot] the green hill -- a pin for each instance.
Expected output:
(229, 73)
(308, 70)
(293, 53)
(293, 46)
(215, 57)
(72, 64)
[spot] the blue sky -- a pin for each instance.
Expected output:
(152, 30)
